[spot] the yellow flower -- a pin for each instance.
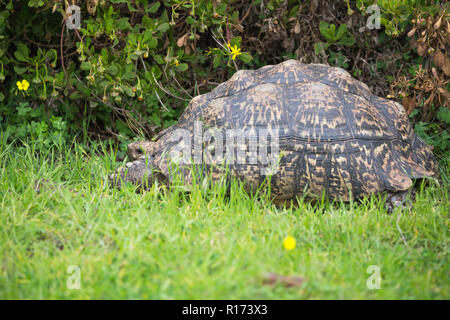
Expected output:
(228, 44)
(235, 51)
(289, 243)
(23, 85)
(176, 62)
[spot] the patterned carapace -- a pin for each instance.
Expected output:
(334, 135)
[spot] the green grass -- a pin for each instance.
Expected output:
(203, 245)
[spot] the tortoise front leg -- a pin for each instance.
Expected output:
(403, 199)
(140, 172)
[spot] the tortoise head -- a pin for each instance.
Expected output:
(138, 149)
(142, 170)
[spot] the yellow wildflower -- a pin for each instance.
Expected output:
(23, 85)
(176, 62)
(235, 51)
(289, 243)
(228, 44)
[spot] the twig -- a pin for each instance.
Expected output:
(78, 35)
(400, 230)
(224, 47)
(174, 78)
(167, 92)
(157, 95)
(143, 64)
(247, 13)
(160, 101)
(61, 45)
(41, 44)
(205, 83)
(218, 42)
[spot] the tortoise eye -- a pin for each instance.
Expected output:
(139, 151)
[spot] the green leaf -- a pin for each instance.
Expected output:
(24, 50)
(123, 24)
(190, 20)
(152, 43)
(86, 65)
(35, 3)
(342, 31)
(131, 7)
(74, 96)
(245, 57)
(158, 59)
(320, 47)
(83, 89)
(128, 91)
(327, 30)
(444, 115)
(134, 56)
(128, 76)
(347, 41)
(154, 7)
(148, 34)
(148, 76)
(236, 42)
(156, 72)
(112, 70)
(103, 84)
(19, 56)
(147, 22)
(217, 61)
(163, 27)
(20, 70)
(332, 30)
(182, 67)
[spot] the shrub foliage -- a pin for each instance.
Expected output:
(132, 66)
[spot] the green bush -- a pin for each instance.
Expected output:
(115, 71)
(132, 66)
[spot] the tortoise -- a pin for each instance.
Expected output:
(333, 137)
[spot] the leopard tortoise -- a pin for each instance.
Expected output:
(332, 134)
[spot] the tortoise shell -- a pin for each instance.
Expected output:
(334, 135)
